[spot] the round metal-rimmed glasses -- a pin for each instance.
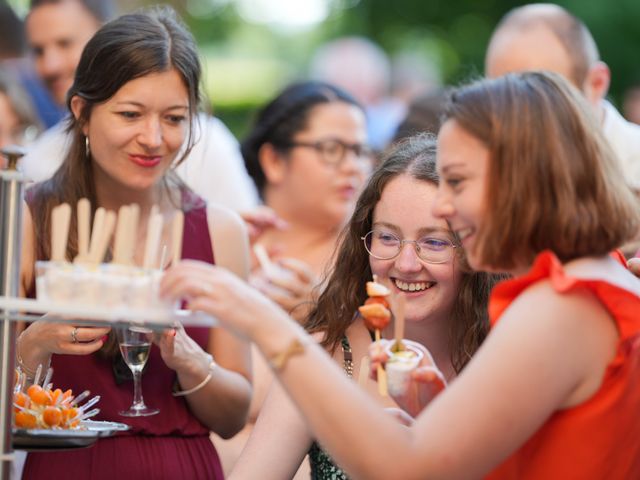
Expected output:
(385, 245)
(333, 151)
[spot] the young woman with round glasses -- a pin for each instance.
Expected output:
(445, 308)
(433, 247)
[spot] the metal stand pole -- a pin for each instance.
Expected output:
(11, 194)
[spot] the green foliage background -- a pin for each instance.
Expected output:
(245, 64)
(453, 32)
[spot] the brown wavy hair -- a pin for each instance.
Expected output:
(553, 181)
(345, 285)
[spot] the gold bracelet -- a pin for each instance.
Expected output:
(212, 367)
(279, 360)
(30, 374)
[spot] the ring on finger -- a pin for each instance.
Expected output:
(74, 335)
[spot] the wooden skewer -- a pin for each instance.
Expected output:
(263, 258)
(177, 232)
(96, 234)
(61, 218)
(105, 237)
(154, 211)
(132, 229)
(84, 229)
(154, 232)
(163, 257)
(120, 239)
(399, 304)
(382, 374)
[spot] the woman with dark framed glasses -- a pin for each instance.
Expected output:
(308, 156)
(391, 234)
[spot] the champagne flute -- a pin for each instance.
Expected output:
(135, 344)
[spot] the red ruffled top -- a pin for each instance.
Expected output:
(599, 438)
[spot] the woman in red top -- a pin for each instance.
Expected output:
(531, 187)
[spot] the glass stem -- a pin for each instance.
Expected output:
(138, 401)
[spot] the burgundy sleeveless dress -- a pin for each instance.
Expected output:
(170, 445)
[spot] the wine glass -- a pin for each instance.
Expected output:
(135, 343)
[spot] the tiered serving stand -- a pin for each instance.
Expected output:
(13, 308)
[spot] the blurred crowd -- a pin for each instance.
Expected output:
(339, 164)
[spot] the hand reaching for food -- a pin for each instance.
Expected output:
(220, 293)
(412, 387)
(260, 220)
(288, 282)
(179, 351)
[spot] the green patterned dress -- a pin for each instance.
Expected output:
(322, 466)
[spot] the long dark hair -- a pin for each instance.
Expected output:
(282, 118)
(345, 287)
(127, 48)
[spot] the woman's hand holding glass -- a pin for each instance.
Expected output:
(181, 353)
(426, 380)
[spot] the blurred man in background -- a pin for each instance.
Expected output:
(547, 37)
(17, 68)
(57, 31)
(385, 86)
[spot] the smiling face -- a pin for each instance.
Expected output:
(326, 191)
(404, 209)
(136, 134)
(57, 33)
(463, 163)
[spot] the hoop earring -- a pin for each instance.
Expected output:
(87, 150)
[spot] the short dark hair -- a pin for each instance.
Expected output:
(554, 182)
(282, 118)
(102, 10)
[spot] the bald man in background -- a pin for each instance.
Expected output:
(547, 37)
